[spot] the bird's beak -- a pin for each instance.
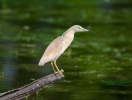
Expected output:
(86, 30)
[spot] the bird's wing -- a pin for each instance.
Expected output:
(53, 51)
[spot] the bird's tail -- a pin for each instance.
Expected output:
(41, 62)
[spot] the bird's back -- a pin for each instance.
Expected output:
(53, 51)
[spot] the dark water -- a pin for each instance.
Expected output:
(97, 66)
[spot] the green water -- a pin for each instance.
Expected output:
(98, 66)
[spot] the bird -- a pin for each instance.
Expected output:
(58, 46)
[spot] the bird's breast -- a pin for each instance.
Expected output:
(67, 41)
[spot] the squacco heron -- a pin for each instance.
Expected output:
(58, 46)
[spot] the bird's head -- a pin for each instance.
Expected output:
(78, 28)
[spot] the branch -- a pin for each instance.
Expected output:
(35, 86)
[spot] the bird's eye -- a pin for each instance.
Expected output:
(80, 28)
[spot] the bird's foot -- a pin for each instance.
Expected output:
(56, 72)
(59, 72)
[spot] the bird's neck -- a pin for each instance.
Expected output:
(69, 35)
(69, 31)
(68, 38)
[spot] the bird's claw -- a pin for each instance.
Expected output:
(56, 72)
(59, 72)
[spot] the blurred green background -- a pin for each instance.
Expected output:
(97, 66)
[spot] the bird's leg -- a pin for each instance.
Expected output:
(52, 64)
(58, 68)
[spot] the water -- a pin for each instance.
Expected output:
(98, 66)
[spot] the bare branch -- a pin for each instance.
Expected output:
(35, 86)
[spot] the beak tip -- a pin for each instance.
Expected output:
(90, 31)
(86, 30)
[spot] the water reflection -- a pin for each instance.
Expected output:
(9, 75)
